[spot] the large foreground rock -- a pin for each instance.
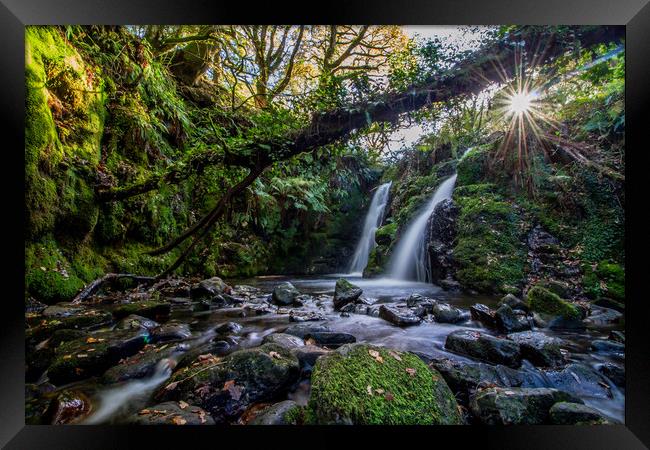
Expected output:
(516, 406)
(226, 387)
(345, 292)
(363, 384)
(485, 347)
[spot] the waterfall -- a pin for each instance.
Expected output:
(374, 218)
(410, 260)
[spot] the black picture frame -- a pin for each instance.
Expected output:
(15, 14)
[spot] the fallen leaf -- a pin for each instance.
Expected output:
(369, 389)
(389, 397)
(178, 420)
(182, 404)
(410, 371)
(375, 354)
(310, 341)
(379, 391)
(171, 386)
(395, 355)
(82, 355)
(91, 340)
(67, 356)
(274, 355)
(202, 416)
(144, 411)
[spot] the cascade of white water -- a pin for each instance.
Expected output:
(409, 260)
(374, 218)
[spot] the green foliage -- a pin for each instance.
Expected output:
(488, 251)
(605, 279)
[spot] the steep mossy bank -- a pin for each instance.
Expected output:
(102, 112)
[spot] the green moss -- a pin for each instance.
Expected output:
(386, 234)
(355, 388)
(472, 169)
(488, 252)
(544, 301)
(607, 279)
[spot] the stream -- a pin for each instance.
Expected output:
(111, 404)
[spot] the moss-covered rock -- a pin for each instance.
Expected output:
(362, 384)
(543, 301)
(226, 387)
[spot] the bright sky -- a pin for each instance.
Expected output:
(459, 36)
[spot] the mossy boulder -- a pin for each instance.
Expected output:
(345, 292)
(386, 235)
(606, 280)
(226, 387)
(284, 294)
(89, 356)
(552, 307)
(363, 384)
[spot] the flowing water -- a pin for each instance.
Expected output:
(374, 217)
(409, 260)
(111, 404)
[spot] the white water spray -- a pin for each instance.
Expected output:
(409, 260)
(374, 218)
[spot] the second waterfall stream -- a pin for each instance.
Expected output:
(374, 218)
(409, 260)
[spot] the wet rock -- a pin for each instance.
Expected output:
(617, 336)
(33, 306)
(171, 331)
(209, 288)
(508, 321)
(483, 314)
(256, 310)
(143, 364)
(135, 322)
(614, 372)
(308, 354)
(85, 319)
(228, 328)
(67, 407)
(174, 287)
(607, 346)
(303, 329)
(344, 293)
(329, 339)
(566, 413)
(604, 316)
(151, 309)
(609, 303)
(284, 294)
(226, 387)
(445, 313)
(464, 378)
(485, 347)
(398, 317)
(82, 358)
(61, 310)
(538, 348)
(305, 316)
(441, 234)
(514, 303)
(580, 380)
(282, 413)
(172, 413)
(552, 310)
(449, 285)
(362, 384)
(284, 340)
(516, 406)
